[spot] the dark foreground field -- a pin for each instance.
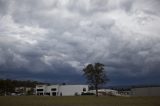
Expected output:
(78, 101)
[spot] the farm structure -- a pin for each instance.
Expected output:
(105, 92)
(74, 90)
(61, 90)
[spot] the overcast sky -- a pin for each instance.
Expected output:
(53, 40)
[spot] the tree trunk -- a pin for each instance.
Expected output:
(96, 87)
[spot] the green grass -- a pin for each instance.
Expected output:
(78, 101)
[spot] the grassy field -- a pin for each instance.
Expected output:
(78, 101)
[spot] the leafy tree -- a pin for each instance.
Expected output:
(95, 75)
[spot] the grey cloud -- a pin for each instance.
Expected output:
(5, 6)
(60, 37)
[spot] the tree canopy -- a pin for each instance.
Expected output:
(95, 75)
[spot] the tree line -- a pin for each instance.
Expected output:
(8, 85)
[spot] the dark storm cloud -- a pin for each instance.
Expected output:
(40, 39)
(48, 76)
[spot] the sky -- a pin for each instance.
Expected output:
(53, 40)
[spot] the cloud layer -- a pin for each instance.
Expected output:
(53, 40)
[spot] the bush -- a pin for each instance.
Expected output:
(87, 93)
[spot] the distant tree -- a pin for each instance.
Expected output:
(7, 86)
(95, 75)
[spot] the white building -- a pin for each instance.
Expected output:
(61, 90)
